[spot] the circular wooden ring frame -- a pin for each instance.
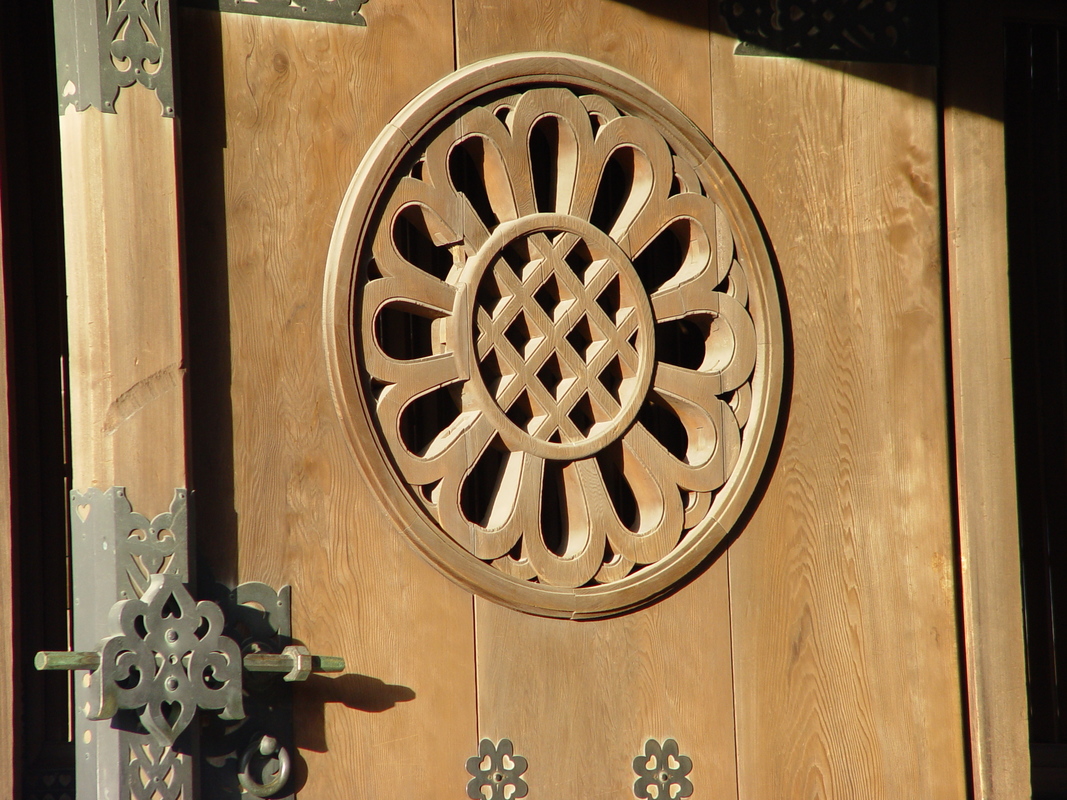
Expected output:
(354, 221)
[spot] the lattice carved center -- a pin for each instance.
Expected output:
(563, 335)
(552, 322)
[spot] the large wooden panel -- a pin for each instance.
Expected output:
(842, 585)
(977, 250)
(580, 699)
(267, 162)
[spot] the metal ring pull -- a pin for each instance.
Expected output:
(267, 746)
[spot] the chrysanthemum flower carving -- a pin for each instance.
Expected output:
(553, 329)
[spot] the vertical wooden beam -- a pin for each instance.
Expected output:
(976, 221)
(127, 371)
(9, 754)
(120, 171)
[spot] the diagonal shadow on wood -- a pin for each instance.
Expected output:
(354, 691)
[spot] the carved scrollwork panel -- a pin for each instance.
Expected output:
(554, 334)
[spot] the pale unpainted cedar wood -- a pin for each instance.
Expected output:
(579, 699)
(124, 300)
(844, 630)
(671, 55)
(303, 102)
(342, 338)
(976, 219)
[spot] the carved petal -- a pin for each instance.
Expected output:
(575, 185)
(653, 171)
(510, 511)
(413, 379)
(658, 505)
(583, 545)
(730, 348)
(459, 453)
(714, 444)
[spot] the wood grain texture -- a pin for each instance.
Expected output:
(579, 700)
(267, 163)
(977, 250)
(842, 587)
(9, 672)
(667, 49)
(369, 278)
(124, 306)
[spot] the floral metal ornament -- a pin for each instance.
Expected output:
(103, 46)
(661, 772)
(901, 31)
(496, 770)
(153, 774)
(170, 658)
(554, 334)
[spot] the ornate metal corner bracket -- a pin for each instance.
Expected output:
(342, 12)
(156, 655)
(902, 32)
(102, 47)
(662, 772)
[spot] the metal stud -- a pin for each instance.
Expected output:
(662, 768)
(496, 767)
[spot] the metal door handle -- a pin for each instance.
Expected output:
(296, 660)
(157, 659)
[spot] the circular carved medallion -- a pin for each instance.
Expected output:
(554, 335)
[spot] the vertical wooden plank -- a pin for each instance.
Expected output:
(127, 369)
(666, 48)
(579, 699)
(126, 362)
(842, 585)
(976, 218)
(9, 672)
(287, 110)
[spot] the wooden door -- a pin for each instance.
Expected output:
(813, 652)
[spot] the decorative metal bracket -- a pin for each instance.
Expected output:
(161, 655)
(344, 12)
(103, 46)
(662, 769)
(904, 31)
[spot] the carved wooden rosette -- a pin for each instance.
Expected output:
(554, 334)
